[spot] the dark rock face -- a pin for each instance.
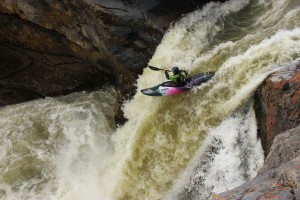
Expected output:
(37, 60)
(28, 75)
(64, 46)
(279, 178)
(279, 104)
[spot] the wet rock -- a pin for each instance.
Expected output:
(28, 75)
(278, 107)
(40, 54)
(286, 147)
(279, 178)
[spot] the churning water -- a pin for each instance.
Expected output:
(183, 147)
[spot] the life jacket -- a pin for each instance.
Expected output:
(179, 78)
(183, 76)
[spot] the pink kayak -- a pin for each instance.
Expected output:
(170, 88)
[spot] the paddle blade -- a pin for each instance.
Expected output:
(157, 69)
(154, 68)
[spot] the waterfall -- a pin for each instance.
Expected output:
(243, 41)
(56, 148)
(230, 155)
(187, 146)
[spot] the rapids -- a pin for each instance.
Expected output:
(188, 146)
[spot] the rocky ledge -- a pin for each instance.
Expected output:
(278, 107)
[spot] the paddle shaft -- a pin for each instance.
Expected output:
(157, 69)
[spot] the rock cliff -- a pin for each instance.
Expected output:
(278, 107)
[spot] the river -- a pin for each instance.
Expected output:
(188, 146)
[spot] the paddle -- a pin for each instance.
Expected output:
(157, 69)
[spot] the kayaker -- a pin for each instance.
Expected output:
(178, 77)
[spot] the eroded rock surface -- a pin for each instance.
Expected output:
(279, 103)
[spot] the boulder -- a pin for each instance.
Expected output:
(278, 104)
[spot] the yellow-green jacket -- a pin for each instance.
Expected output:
(177, 78)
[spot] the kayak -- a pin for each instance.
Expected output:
(170, 88)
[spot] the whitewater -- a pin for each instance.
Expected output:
(188, 146)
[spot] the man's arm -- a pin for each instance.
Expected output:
(167, 74)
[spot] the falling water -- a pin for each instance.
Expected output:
(188, 146)
(243, 41)
(56, 148)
